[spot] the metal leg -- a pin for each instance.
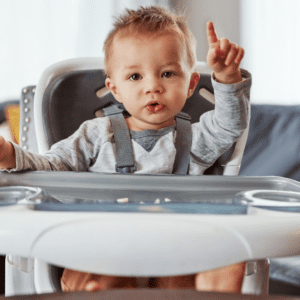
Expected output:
(19, 276)
(256, 280)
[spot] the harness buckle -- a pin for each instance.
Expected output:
(126, 169)
(183, 116)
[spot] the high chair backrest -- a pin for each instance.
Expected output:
(73, 91)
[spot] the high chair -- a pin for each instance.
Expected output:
(83, 79)
(73, 91)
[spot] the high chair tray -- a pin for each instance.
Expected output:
(73, 187)
(161, 240)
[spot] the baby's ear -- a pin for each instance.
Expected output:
(112, 88)
(195, 77)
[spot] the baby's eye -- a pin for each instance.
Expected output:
(135, 77)
(167, 74)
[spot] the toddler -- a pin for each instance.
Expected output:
(149, 62)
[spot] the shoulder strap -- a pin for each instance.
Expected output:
(183, 144)
(124, 152)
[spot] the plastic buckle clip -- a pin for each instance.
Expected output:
(126, 169)
(183, 116)
(113, 110)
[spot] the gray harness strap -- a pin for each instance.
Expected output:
(183, 144)
(124, 152)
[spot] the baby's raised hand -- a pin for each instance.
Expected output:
(223, 57)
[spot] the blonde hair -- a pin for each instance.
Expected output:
(150, 20)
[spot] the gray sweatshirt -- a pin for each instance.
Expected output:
(92, 147)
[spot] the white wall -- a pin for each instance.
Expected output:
(270, 35)
(35, 34)
(224, 13)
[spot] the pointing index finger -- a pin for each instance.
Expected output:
(211, 34)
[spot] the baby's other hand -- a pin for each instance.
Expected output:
(7, 154)
(93, 286)
(105, 282)
(224, 57)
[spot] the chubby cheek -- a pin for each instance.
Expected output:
(131, 104)
(124, 94)
(130, 107)
(182, 87)
(181, 92)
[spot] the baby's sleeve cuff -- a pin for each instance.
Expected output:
(19, 161)
(234, 87)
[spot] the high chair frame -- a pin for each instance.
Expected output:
(35, 140)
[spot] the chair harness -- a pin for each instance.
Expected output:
(124, 154)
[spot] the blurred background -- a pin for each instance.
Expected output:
(37, 33)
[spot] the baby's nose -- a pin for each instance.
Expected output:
(154, 85)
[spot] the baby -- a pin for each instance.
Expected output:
(149, 62)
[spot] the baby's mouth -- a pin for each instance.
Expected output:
(155, 107)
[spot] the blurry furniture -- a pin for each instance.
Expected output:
(9, 128)
(273, 148)
(9, 120)
(273, 142)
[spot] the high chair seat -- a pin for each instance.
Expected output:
(69, 93)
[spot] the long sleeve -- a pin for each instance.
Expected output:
(217, 130)
(76, 153)
(91, 147)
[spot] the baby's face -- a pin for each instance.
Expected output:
(151, 77)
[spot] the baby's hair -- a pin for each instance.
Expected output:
(150, 20)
